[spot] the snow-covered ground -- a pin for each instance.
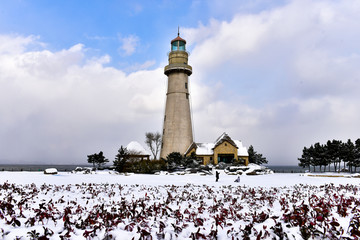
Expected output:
(270, 180)
(191, 206)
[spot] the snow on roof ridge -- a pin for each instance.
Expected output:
(208, 148)
(225, 137)
(220, 137)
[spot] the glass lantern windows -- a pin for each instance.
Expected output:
(178, 46)
(181, 46)
(174, 46)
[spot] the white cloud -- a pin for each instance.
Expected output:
(279, 79)
(60, 106)
(140, 66)
(11, 44)
(128, 44)
(289, 76)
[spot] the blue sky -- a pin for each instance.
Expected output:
(100, 25)
(77, 77)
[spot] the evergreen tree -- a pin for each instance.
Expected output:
(342, 155)
(357, 154)
(191, 160)
(100, 159)
(92, 159)
(320, 155)
(305, 160)
(349, 154)
(97, 159)
(251, 153)
(174, 159)
(333, 153)
(313, 161)
(255, 157)
(121, 159)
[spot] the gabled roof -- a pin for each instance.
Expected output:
(224, 137)
(193, 145)
(208, 148)
(201, 148)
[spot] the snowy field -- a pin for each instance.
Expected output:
(192, 206)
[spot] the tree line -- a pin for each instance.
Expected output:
(337, 154)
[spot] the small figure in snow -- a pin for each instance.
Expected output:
(217, 175)
(238, 179)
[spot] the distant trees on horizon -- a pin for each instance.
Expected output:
(333, 153)
(97, 159)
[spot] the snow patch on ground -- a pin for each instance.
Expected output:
(50, 171)
(251, 169)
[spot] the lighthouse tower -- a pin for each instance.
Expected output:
(177, 127)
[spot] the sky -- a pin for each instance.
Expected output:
(79, 77)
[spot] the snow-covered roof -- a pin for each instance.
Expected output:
(242, 151)
(205, 148)
(208, 148)
(137, 148)
(224, 137)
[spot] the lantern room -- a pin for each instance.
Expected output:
(178, 44)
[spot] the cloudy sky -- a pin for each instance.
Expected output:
(78, 77)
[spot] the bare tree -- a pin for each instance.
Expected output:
(153, 141)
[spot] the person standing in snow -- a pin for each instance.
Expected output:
(217, 175)
(238, 179)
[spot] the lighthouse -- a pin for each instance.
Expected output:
(177, 127)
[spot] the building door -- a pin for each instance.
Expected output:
(225, 158)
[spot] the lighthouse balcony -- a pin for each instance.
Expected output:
(178, 67)
(178, 51)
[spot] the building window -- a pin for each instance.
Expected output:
(164, 118)
(187, 96)
(163, 131)
(186, 86)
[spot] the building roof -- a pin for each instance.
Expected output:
(208, 148)
(242, 151)
(135, 147)
(205, 148)
(178, 38)
(224, 137)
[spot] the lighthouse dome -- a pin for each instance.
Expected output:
(178, 38)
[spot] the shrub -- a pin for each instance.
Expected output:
(145, 166)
